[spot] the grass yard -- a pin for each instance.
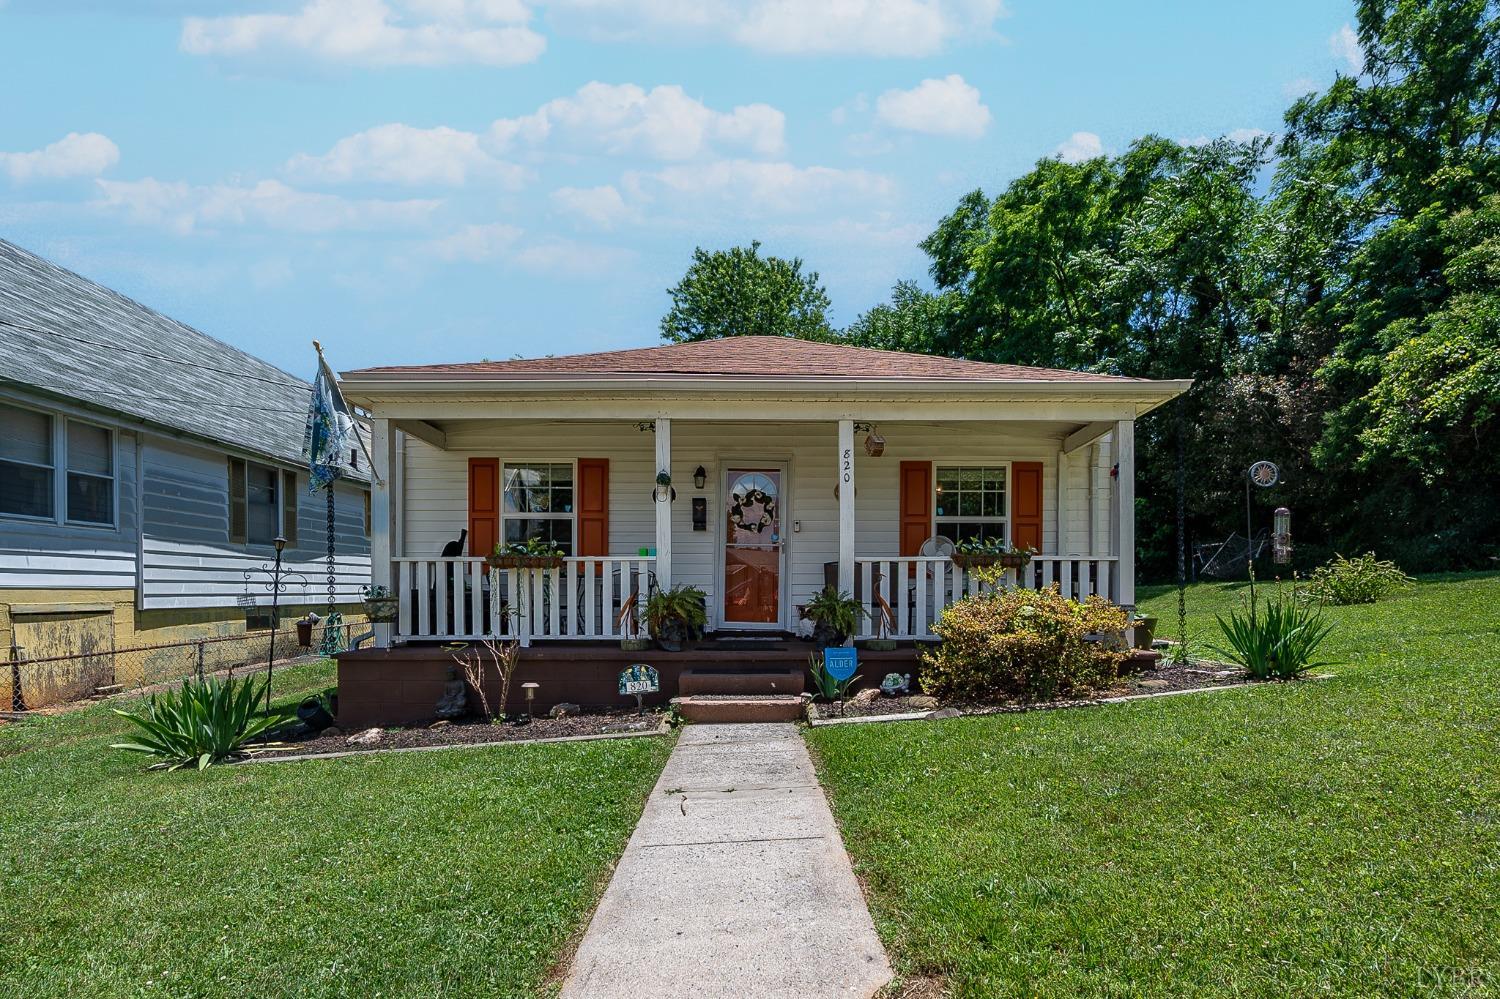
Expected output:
(415, 874)
(1339, 837)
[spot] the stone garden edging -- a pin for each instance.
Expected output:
(294, 757)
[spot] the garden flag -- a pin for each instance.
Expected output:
(331, 431)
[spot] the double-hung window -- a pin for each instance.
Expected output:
(28, 473)
(262, 503)
(971, 503)
(538, 503)
(57, 469)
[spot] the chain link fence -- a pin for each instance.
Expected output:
(29, 684)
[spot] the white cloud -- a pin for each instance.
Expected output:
(948, 106)
(401, 154)
(86, 154)
(1344, 44)
(663, 123)
(603, 206)
(268, 204)
(1240, 135)
(476, 243)
(371, 32)
(863, 27)
(1080, 146)
(750, 187)
(498, 241)
(1300, 87)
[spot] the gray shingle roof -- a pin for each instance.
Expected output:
(70, 337)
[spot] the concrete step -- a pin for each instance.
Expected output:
(720, 709)
(740, 680)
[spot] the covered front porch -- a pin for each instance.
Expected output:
(760, 514)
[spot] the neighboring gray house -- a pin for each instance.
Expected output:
(144, 467)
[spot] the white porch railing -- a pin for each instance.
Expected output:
(462, 599)
(912, 592)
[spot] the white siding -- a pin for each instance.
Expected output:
(187, 560)
(435, 506)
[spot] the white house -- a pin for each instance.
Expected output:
(777, 485)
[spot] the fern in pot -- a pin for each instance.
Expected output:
(676, 616)
(835, 616)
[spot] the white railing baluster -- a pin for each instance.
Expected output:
(918, 577)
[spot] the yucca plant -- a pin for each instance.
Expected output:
(829, 687)
(1277, 642)
(201, 723)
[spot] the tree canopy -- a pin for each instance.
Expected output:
(737, 292)
(1334, 294)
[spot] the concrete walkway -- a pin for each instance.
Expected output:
(735, 883)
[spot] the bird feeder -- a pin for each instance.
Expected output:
(1281, 536)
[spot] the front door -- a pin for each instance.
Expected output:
(753, 547)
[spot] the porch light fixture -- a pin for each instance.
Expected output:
(874, 443)
(700, 477)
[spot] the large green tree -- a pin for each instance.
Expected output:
(737, 292)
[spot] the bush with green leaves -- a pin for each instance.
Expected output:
(1030, 644)
(1361, 580)
(1277, 641)
(201, 723)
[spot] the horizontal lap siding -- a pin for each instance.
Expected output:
(188, 560)
(48, 556)
(435, 508)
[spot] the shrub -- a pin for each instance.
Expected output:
(202, 723)
(1361, 580)
(1277, 642)
(1032, 644)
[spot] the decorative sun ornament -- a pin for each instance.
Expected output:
(1264, 474)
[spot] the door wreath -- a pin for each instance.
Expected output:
(767, 517)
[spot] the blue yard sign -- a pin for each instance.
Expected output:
(840, 662)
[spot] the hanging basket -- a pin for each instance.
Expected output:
(525, 561)
(975, 560)
(382, 610)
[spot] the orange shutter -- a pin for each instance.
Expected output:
(484, 505)
(916, 506)
(1026, 505)
(593, 508)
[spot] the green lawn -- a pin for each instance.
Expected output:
(412, 874)
(1338, 837)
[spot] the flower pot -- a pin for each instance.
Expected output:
(380, 610)
(524, 561)
(1144, 631)
(313, 714)
(878, 645)
(304, 633)
(635, 644)
(979, 561)
(825, 635)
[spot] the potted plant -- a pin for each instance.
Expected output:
(975, 553)
(676, 616)
(533, 553)
(835, 616)
(379, 605)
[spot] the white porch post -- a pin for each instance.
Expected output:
(1125, 512)
(846, 506)
(382, 450)
(1064, 542)
(663, 504)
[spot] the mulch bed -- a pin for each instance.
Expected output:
(1166, 677)
(472, 732)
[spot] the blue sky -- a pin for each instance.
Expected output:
(415, 181)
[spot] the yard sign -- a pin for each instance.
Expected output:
(639, 679)
(840, 662)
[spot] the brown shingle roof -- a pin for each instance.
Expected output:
(746, 356)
